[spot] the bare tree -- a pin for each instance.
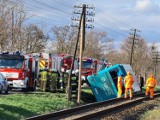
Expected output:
(97, 45)
(64, 42)
(11, 18)
(141, 55)
(34, 39)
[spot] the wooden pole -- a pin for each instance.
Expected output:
(81, 52)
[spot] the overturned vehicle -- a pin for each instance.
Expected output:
(104, 84)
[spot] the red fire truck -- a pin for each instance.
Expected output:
(17, 69)
(91, 66)
(61, 63)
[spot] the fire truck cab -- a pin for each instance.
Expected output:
(17, 69)
(91, 66)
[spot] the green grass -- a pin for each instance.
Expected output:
(21, 106)
(152, 114)
(157, 88)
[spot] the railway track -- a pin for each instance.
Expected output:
(92, 110)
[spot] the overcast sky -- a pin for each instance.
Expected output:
(116, 17)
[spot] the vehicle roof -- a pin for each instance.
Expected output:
(11, 56)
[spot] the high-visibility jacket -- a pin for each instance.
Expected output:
(119, 83)
(151, 82)
(43, 75)
(49, 76)
(128, 80)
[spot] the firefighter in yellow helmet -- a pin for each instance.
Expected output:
(119, 85)
(128, 81)
(150, 84)
(43, 78)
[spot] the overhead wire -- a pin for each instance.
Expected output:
(59, 9)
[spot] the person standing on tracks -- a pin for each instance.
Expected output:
(43, 78)
(119, 85)
(128, 81)
(150, 84)
(141, 81)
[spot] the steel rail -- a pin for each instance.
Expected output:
(84, 110)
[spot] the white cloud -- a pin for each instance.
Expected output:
(143, 4)
(146, 7)
(117, 15)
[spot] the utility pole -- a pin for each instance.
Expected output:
(133, 42)
(81, 53)
(81, 30)
(12, 31)
(72, 65)
(156, 59)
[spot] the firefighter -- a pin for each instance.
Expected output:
(43, 78)
(141, 81)
(128, 81)
(54, 80)
(40, 78)
(49, 80)
(119, 85)
(150, 84)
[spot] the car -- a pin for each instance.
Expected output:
(3, 84)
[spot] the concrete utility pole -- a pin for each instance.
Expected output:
(133, 42)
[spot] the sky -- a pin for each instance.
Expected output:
(116, 17)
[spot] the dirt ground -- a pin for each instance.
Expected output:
(136, 112)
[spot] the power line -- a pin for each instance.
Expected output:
(111, 29)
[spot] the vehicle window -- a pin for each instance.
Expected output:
(7, 63)
(26, 64)
(86, 64)
(1, 78)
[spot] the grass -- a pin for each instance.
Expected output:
(22, 106)
(152, 114)
(157, 88)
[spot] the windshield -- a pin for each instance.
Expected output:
(7, 63)
(86, 64)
